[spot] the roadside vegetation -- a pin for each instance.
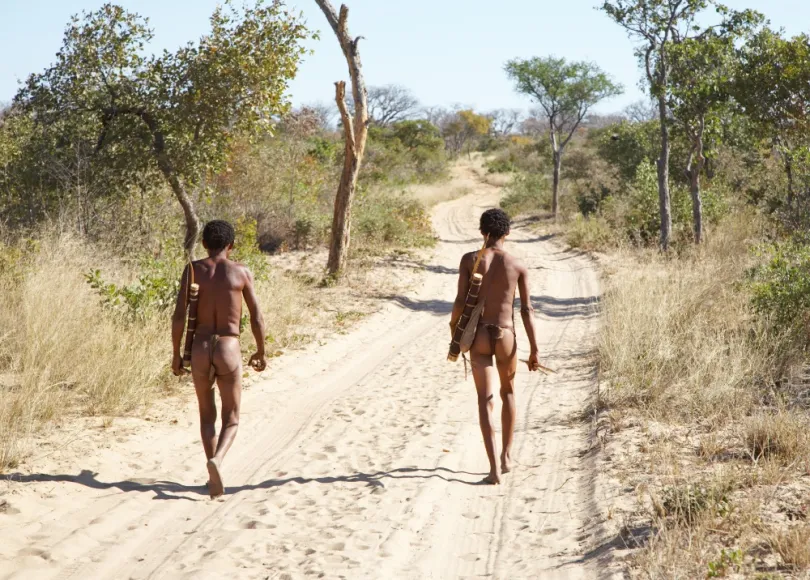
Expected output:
(703, 349)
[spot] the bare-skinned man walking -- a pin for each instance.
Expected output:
(216, 355)
(495, 336)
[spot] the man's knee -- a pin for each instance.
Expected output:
(486, 402)
(230, 418)
(506, 391)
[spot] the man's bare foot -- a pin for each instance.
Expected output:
(492, 479)
(215, 487)
(506, 464)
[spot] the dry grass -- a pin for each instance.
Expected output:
(783, 437)
(678, 339)
(793, 546)
(708, 420)
(60, 352)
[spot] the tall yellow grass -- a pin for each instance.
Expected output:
(680, 349)
(678, 338)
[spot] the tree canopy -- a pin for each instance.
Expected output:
(565, 91)
(174, 114)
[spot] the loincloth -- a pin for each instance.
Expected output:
(496, 333)
(213, 340)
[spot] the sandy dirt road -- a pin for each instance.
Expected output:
(357, 459)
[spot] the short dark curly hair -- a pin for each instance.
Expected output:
(495, 223)
(218, 235)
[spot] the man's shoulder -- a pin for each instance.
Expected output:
(513, 261)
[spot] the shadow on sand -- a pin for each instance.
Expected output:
(169, 490)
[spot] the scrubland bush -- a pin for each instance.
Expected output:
(590, 234)
(527, 193)
(679, 341)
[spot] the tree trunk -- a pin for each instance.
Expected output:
(664, 205)
(355, 133)
(555, 187)
(789, 172)
(696, 163)
(165, 166)
(342, 218)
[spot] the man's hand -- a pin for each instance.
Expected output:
(177, 366)
(258, 361)
(534, 362)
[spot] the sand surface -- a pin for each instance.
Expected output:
(358, 458)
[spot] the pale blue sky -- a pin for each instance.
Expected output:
(445, 51)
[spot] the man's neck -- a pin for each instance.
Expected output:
(219, 256)
(497, 244)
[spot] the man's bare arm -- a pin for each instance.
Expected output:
(178, 322)
(527, 311)
(258, 361)
(461, 295)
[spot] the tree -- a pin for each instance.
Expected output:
(565, 92)
(773, 90)
(659, 25)
(504, 121)
(355, 132)
(177, 113)
(462, 128)
(641, 111)
(391, 103)
(701, 73)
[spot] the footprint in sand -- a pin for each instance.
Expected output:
(471, 516)
(320, 456)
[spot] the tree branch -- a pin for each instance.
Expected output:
(346, 119)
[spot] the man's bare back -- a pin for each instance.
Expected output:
(215, 353)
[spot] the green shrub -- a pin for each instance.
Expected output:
(391, 220)
(781, 287)
(156, 288)
(527, 193)
(590, 234)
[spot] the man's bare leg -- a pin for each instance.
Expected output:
(227, 358)
(205, 397)
(506, 361)
(482, 367)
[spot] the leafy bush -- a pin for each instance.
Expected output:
(527, 193)
(158, 283)
(590, 234)
(781, 287)
(385, 220)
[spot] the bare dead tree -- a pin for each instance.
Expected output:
(505, 121)
(534, 125)
(641, 111)
(390, 104)
(327, 114)
(355, 133)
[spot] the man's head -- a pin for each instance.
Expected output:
(495, 223)
(218, 236)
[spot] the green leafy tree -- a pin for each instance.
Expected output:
(174, 115)
(773, 90)
(565, 91)
(463, 129)
(701, 75)
(659, 25)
